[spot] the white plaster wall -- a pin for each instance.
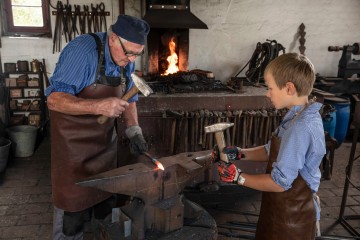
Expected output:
(235, 26)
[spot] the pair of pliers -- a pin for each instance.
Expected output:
(102, 16)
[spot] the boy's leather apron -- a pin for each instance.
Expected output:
(81, 147)
(286, 215)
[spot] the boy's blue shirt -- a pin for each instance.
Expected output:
(302, 147)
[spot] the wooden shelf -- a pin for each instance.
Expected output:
(39, 98)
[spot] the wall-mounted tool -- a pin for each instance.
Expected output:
(71, 21)
(347, 65)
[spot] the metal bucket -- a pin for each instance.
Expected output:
(23, 138)
(4, 152)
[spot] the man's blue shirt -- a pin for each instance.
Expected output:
(77, 66)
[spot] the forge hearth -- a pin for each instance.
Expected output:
(185, 82)
(169, 21)
(158, 49)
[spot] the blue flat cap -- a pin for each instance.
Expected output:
(131, 28)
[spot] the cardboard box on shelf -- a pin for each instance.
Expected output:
(17, 120)
(16, 93)
(13, 104)
(34, 119)
(33, 82)
(21, 82)
(28, 92)
(10, 82)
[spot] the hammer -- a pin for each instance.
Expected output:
(218, 129)
(139, 86)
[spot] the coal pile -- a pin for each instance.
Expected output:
(184, 82)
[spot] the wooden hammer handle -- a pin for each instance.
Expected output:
(220, 141)
(134, 90)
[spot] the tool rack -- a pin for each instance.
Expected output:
(344, 219)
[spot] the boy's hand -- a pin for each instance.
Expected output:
(232, 152)
(215, 155)
(228, 172)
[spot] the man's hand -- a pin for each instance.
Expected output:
(228, 172)
(111, 107)
(137, 143)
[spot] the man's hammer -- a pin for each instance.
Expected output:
(139, 86)
(218, 129)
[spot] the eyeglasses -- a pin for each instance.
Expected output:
(130, 54)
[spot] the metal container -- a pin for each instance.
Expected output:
(35, 66)
(10, 67)
(23, 66)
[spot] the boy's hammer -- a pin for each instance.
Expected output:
(218, 129)
(139, 86)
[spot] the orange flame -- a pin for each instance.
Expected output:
(159, 165)
(172, 59)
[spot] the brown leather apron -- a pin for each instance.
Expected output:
(80, 148)
(286, 215)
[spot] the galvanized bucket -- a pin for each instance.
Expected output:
(23, 139)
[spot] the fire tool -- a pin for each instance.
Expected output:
(154, 161)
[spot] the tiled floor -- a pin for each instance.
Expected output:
(26, 208)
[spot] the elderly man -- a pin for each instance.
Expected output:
(91, 76)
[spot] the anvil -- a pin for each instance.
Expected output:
(157, 192)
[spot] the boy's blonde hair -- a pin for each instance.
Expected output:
(295, 68)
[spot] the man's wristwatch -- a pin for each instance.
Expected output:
(241, 179)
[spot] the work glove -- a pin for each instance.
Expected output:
(137, 143)
(232, 152)
(228, 172)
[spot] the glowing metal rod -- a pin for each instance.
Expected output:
(156, 162)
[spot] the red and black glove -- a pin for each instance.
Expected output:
(228, 172)
(232, 152)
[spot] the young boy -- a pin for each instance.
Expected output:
(288, 208)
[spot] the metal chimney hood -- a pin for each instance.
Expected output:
(171, 14)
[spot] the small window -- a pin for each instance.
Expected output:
(26, 18)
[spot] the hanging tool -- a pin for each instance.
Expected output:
(66, 22)
(102, 17)
(58, 24)
(88, 18)
(82, 23)
(74, 31)
(94, 17)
